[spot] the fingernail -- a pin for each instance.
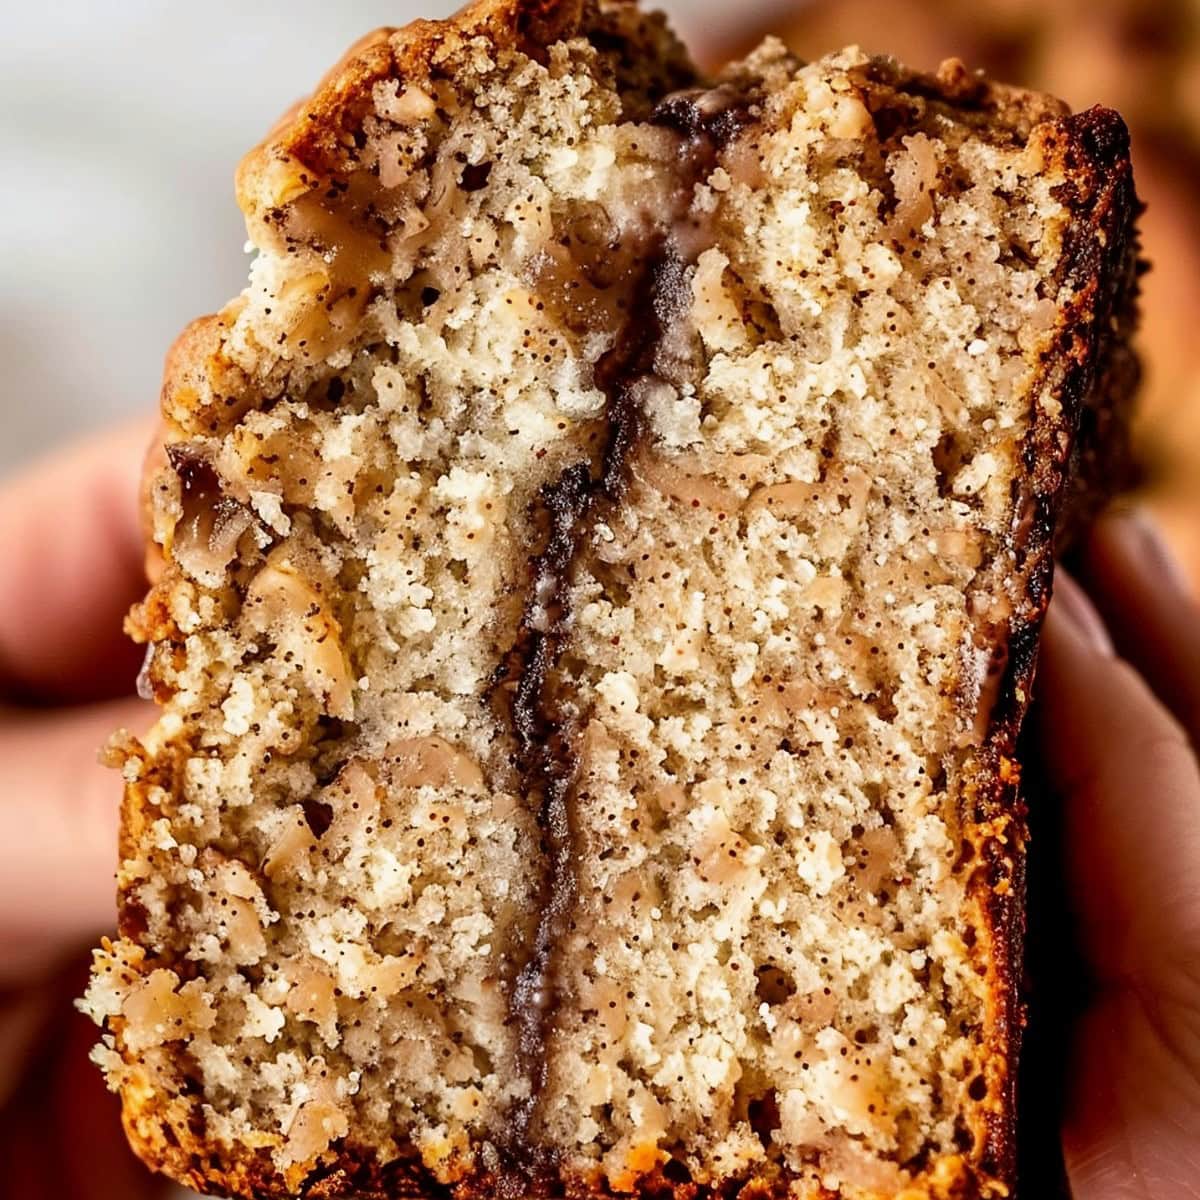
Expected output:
(1072, 604)
(1139, 535)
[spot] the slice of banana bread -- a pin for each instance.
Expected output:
(602, 555)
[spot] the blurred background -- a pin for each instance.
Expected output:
(123, 123)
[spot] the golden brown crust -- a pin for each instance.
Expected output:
(318, 135)
(1085, 371)
(1076, 459)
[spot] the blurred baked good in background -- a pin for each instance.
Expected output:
(1141, 57)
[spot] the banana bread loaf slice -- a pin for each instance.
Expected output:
(599, 561)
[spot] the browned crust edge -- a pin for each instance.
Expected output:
(1075, 462)
(319, 132)
(1088, 368)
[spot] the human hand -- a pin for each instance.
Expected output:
(1119, 727)
(71, 567)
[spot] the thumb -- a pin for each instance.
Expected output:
(60, 809)
(1128, 781)
(1130, 787)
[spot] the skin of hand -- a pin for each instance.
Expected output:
(72, 566)
(1118, 722)
(1118, 730)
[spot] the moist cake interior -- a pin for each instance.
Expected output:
(584, 617)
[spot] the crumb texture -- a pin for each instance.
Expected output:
(593, 547)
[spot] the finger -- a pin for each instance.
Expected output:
(71, 568)
(1129, 1131)
(21, 1016)
(1130, 788)
(60, 1132)
(59, 807)
(1147, 603)
(1072, 605)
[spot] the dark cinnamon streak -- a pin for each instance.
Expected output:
(706, 122)
(573, 503)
